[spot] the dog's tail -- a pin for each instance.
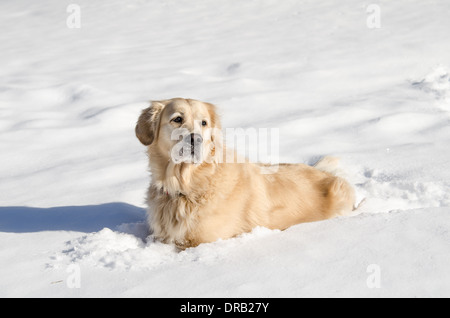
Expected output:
(330, 165)
(341, 189)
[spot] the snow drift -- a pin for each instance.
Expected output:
(73, 176)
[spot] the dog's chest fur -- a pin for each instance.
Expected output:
(171, 217)
(175, 207)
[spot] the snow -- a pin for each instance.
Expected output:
(73, 175)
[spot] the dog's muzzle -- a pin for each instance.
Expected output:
(189, 149)
(195, 140)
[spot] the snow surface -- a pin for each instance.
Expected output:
(73, 176)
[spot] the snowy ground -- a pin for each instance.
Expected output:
(73, 176)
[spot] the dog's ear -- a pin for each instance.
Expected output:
(216, 135)
(148, 123)
(215, 121)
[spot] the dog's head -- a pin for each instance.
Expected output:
(185, 130)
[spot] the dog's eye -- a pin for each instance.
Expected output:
(204, 123)
(178, 119)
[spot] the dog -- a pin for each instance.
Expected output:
(194, 197)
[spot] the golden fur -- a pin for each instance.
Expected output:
(193, 203)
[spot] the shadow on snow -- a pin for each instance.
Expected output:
(87, 218)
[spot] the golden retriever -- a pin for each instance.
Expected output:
(194, 197)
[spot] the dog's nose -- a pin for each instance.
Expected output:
(196, 139)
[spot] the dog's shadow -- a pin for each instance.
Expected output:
(87, 218)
